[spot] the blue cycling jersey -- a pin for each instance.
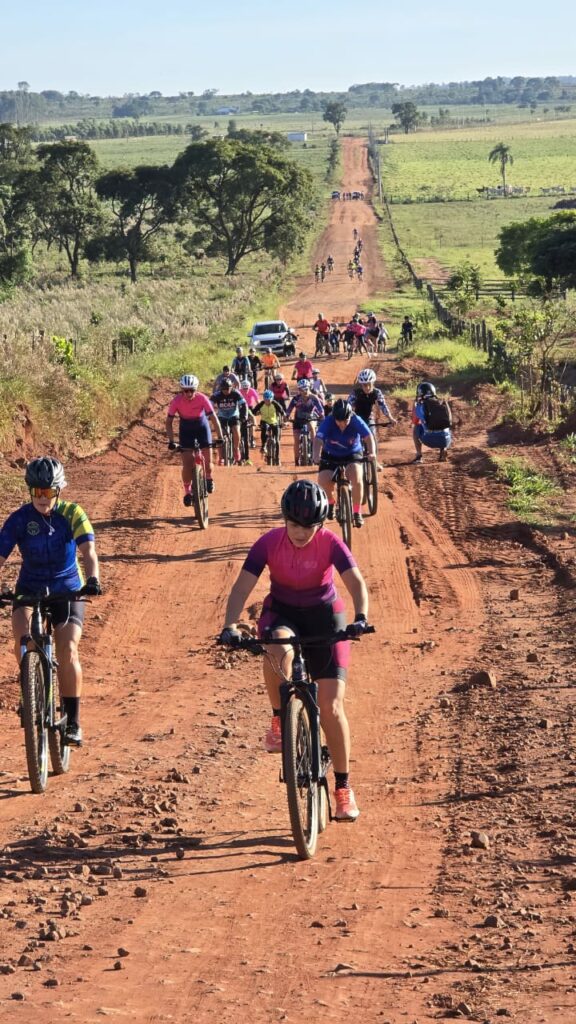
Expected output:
(48, 546)
(339, 443)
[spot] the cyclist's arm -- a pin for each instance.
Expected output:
(382, 405)
(317, 448)
(170, 428)
(89, 558)
(356, 587)
(216, 424)
(239, 594)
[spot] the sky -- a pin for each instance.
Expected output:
(114, 47)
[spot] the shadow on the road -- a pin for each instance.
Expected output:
(217, 554)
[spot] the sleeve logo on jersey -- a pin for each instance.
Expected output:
(33, 528)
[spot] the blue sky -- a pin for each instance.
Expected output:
(113, 47)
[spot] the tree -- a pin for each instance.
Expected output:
(141, 204)
(63, 196)
(501, 155)
(335, 114)
(407, 115)
(541, 249)
(244, 197)
(464, 285)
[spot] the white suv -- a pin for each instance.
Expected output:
(274, 334)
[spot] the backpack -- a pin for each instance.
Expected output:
(436, 413)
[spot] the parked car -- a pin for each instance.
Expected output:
(274, 334)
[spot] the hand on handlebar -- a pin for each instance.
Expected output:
(358, 627)
(230, 636)
(92, 587)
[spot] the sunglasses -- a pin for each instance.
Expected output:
(189, 391)
(44, 492)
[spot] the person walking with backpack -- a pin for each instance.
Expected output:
(432, 422)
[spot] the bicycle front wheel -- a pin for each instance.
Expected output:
(34, 720)
(345, 516)
(371, 486)
(301, 790)
(199, 496)
(59, 750)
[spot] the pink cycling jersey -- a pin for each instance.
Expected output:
(194, 408)
(251, 396)
(301, 577)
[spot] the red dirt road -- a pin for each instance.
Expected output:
(173, 798)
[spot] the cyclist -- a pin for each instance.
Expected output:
(193, 410)
(355, 233)
(372, 330)
(255, 365)
(407, 330)
(231, 407)
(302, 368)
(271, 415)
(49, 533)
(359, 271)
(251, 397)
(307, 409)
(340, 441)
(301, 557)
(289, 344)
(330, 263)
(350, 268)
(317, 386)
(317, 273)
(322, 328)
(241, 364)
(334, 337)
(226, 374)
(328, 403)
(322, 270)
(280, 390)
(382, 342)
(366, 397)
(432, 422)
(270, 362)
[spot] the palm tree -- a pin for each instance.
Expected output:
(501, 155)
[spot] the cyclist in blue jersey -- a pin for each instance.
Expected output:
(50, 533)
(340, 441)
(308, 409)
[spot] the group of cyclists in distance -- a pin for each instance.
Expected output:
(300, 555)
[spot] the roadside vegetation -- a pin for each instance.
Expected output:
(531, 494)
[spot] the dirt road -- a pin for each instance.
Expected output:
(157, 882)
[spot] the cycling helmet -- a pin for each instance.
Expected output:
(239, 350)
(301, 355)
(304, 384)
(268, 394)
(245, 384)
(45, 472)
(189, 381)
(320, 316)
(425, 388)
(316, 373)
(305, 503)
(328, 397)
(342, 409)
(226, 383)
(278, 375)
(252, 350)
(268, 351)
(366, 376)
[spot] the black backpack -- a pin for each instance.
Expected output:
(436, 413)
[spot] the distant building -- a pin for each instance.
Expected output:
(297, 136)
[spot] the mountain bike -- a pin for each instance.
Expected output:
(305, 759)
(305, 446)
(272, 446)
(228, 443)
(246, 438)
(198, 483)
(42, 715)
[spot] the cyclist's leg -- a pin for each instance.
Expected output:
(277, 665)
(187, 469)
(334, 721)
(263, 432)
(296, 434)
(236, 441)
(21, 619)
(66, 639)
(354, 475)
(326, 482)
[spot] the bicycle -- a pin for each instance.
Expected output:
(272, 446)
(42, 715)
(305, 446)
(198, 483)
(246, 438)
(370, 484)
(343, 510)
(305, 759)
(227, 444)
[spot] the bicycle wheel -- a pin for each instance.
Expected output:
(34, 720)
(275, 452)
(371, 486)
(200, 496)
(269, 451)
(345, 517)
(301, 790)
(304, 459)
(59, 751)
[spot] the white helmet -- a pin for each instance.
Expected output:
(304, 384)
(278, 375)
(245, 384)
(189, 381)
(366, 376)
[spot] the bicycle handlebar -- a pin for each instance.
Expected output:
(46, 600)
(250, 643)
(197, 447)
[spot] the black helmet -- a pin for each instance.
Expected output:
(328, 397)
(424, 389)
(226, 383)
(305, 503)
(45, 472)
(342, 409)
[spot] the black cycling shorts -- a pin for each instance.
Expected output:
(333, 461)
(62, 613)
(194, 430)
(230, 421)
(326, 662)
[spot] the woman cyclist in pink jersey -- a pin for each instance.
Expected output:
(301, 557)
(194, 410)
